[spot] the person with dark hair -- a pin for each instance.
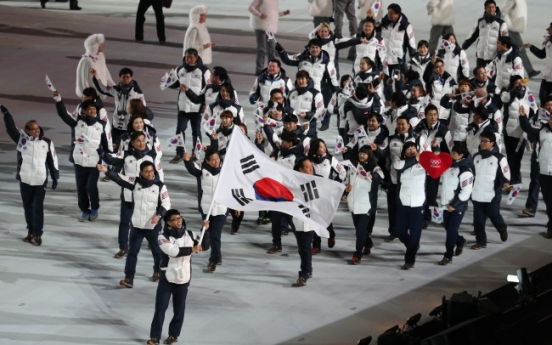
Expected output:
(122, 93)
(271, 78)
(486, 32)
(375, 136)
(364, 178)
(306, 102)
(438, 83)
(455, 192)
(454, 57)
(210, 92)
(177, 244)
(492, 102)
(320, 68)
(545, 53)
(418, 63)
(542, 136)
(225, 101)
(359, 107)
(192, 75)
(515, 96)
(128, 163)
(459, 107)
(207, 177)
(418, 99)
(143, 7)
(325, 165)
(373, 47)
(36, 159)
(441, 18)
(336, 104)
(150, 200)
(368, 76)
(481, 80)
(404, 83)
(481, 123)
(398, 36)
(507, 63)
(411, 177)
(492, 174)
(89, 135)
(399, 107)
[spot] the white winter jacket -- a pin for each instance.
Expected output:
(514, 13)
(440, 12)
(320, 8)
(268, 8)
(197, 35)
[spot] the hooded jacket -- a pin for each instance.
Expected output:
(207, 178)
(308, 100)
(92, 59)
(321, 70)
(264, 83)
(506, 65)
(491, 171)
(196, 77)
(458, 184)
(357, 111)
(486, 32)
(197, 35)
(455, 60)
(399, 39)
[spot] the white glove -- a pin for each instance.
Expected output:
(57, 97)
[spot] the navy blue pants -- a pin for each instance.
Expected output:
(317, 242)
(409, 230)
(87, 188)
(280, 222)
(452, 224)
(165, 290)
(135, 242)
(304, 247)
(514, 154)
(482, 210)
(362, 225)
(236, 220)
(534, 186)
(215, 232)
(392, 208)
(182, 125)
(431, 188)
(327, 96)
(546, 189)
(33, 204)
(545, 90)
(124, 223)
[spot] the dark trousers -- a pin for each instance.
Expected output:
(165, 290)
(116, 136)
(534, 186)
(159, 19)
(514, 154)
(280, 222)
(135, 242)
(409, 229)
(317, 242)
(363, 231)
(87, 188)
(546, 189)
(327, 94)
(304, 246)
(236, 220)
(482, 211)
(182, 125)
(33, 204)
(431, 188)
(124, 223)
(392, 208)
(215, 232)
(452, 224)
(545, 90)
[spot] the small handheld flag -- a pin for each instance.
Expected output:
(176, 140)
(516, 188)
(49, 84)
(339, 144)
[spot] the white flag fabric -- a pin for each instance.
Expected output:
(168, 79)
(376, 8)
(176, 140)
(437, 214)
(199, 147)
(210, 125)
(250, 181)
(514, 193)
(270, 35)
(339, 144)
(49, 84)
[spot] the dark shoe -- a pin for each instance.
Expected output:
(139, 41)
(260, 220)
(331, 242)
(155, 277)
(175, 159)
(84, 217)
(354, 261)
(105, 179)
(390, 238)
(93, 215)
(274, 250)
(504, 236)
(367, 251)
(534, 74)
(285, 233)
(28, 239)
(75, 8)
(121, 254)
(548, 234)
(315, 250)
(43, 3)
(478, 246)
(266, 220)
(472, 233)
(127, 282)
(211, 267)
(153, 341)
(527, 212)
(233, 232)
(425, 224)
(324, 127)
(460, 248)
(300, 282)
(407, 267)
(170, 340)
(445, 261)
(161, 43)
(36, 241)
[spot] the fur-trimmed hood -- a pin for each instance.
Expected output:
(92, 43)
(195, 12)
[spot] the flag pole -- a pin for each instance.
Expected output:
(203, 229)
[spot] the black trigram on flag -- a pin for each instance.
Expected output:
(306, 211)
(240, 197)
(249, 164)
(309, 191)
